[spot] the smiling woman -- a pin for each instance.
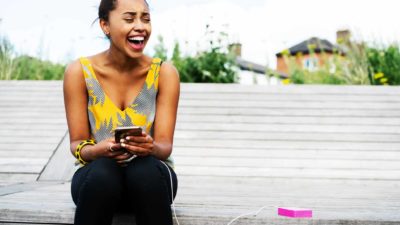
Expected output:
(122, 87)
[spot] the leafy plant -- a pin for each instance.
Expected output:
(7, 65)
(384, 64)
(214, 65)
(30, 68)
(26, 67)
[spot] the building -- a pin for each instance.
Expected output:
(253, 73)
(312, 53)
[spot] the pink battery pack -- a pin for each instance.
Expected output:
(294, 212)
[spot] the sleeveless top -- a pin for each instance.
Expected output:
(104, 116)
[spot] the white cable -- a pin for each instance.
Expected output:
(172, 192)
(247, 214)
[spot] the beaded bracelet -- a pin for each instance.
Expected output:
(79, 148)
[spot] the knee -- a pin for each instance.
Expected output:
(104, 177)
(144, 174)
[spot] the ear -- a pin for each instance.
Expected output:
(105, 27)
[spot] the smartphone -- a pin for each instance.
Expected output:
(122, 132)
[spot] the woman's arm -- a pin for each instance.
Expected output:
(167, 107)
(75, 101)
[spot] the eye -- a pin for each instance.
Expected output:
(129, 20)
(146, 19)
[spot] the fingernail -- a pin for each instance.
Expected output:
(123, 145)
(127, 138)
(122, 140)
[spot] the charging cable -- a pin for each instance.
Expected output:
(172, 192)
(173, 204)
(248, 214)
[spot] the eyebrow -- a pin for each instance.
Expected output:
(135, 13)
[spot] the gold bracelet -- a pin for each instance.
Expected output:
(79, 148)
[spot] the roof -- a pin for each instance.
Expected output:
(257, 68)
(250, 66)
(317, 44)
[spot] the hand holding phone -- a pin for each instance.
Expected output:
(122, 132)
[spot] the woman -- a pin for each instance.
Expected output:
(122, 87)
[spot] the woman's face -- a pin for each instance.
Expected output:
(129, 26)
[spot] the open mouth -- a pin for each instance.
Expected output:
(136, 40)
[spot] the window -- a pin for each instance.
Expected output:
(310, 64)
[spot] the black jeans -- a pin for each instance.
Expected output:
(143, 188)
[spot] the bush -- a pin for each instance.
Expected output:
(384, 64)
(26, 67)
(30, 68)
(212, 66)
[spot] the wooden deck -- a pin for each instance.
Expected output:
(334, 149)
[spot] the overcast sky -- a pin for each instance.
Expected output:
(61, 30)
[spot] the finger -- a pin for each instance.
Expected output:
(124, 156)
(145, 139)
(137, 139)
(137, 150)
(127, 160)
(114, 147)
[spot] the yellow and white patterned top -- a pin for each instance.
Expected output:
(105, 116)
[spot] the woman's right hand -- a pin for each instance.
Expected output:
(108, 148)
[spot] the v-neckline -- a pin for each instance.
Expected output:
(107, 96)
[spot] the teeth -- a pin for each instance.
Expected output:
(136, 38)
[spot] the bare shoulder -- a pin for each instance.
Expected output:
(74, 79)
(73, 71)
(169, 72)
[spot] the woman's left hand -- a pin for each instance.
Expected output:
(138, 145)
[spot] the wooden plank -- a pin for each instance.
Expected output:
(289, 130)
(61, 165)
(18, 177)
(28, 146)
(37, 127)
(288, 172)
(291, 89)
(17, 124)
(295, 163)
(356, 154)
(293, 120)
(249, 136)
(31, 140)
(250, 104)
(5, 154)
(22, 187)
(18, 168)
(356, 113)
(22, 133)
(286, 97)
(243, 144)
(212, 205)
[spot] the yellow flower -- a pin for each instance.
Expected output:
(312, 46)
(285, 52)
(383, 80)
(378, 75)
(286, 81)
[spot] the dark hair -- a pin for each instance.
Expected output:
(106, 6)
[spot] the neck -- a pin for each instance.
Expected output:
(122, 62)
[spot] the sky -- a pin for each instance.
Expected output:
(62, 30)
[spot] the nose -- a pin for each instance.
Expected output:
(138, 25)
